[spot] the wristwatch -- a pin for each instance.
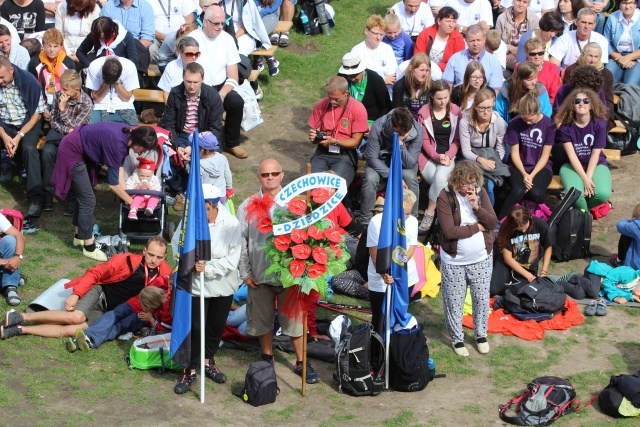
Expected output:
(21, 134)
(21, 256)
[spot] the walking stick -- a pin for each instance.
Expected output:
(304, 353)
(201, 337)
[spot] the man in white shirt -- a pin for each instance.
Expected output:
(566, 50)
(220, 60)
(169, 16)
(414, 16)
(473, 12)
(112, 81)
(377, 56)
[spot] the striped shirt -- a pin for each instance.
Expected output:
(75, 114)
(191, 121)
(12, 107)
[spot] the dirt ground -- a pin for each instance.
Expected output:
(469, 395)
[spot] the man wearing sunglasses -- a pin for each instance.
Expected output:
(192, 105)
(220, 60)
(264, 289)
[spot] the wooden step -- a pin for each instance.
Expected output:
(148, 95)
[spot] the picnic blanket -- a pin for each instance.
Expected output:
(506, 324)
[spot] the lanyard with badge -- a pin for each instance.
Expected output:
(578, 41)
(167, 11)
(148, 280)
(334, 148)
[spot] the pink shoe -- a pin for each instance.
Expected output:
(133, 214)
(148, 212)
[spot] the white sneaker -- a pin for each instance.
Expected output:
(483, 347)
(96, 255)
(460, 351)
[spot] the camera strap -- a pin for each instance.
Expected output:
(344, 109)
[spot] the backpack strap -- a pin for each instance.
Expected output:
(516, 401)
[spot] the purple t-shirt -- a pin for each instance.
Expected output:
(531, 139)
(105, 143)
(585, 140)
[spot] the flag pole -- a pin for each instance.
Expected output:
(304, 353)
(201, 337)
(387, 336)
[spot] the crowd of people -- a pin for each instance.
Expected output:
(482, 96)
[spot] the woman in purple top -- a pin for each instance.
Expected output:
(79, 153)
(582, 130)
(530, 135)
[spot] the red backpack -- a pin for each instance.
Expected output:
(15, 217)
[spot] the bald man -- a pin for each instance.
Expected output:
(263, 289)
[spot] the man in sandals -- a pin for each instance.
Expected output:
(101, 289)
(11, 254)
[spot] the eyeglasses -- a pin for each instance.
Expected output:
(469, 184)
(485, 109)
(273, 174)
(476, 78)
(192, 54)
(627, 3)
(376, 33)
(536, 53)
(215, 24)
(585, 101)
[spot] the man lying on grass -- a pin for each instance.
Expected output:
(101, 289)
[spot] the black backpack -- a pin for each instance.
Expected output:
(260, 384)
(620, 387)
(360, 360)
(408, 356)
(309, 8)
(573, 236)
(545, 400)
(540, 296)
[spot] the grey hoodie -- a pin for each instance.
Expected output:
(381, 138)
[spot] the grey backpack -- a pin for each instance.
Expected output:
(628, 105)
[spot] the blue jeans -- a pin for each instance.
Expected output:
(114, 323)
(96, 116)
(8, 250)
(630, 76)
(490, 187)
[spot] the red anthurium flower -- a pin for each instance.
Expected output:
(320, 255)
(333, 235)
(315, 232)
(297, 207)
(301, 251)
(316, 270)
(320, 195)
(282, 242)
(265, 225)
(299, 236)
(297, 267)
(336, 249)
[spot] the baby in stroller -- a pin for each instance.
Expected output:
(144, 178)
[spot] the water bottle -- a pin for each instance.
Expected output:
(432, 367)
(304, 19)
(96, 231)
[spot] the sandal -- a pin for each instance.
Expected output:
(11, 295)
(275, 38)
(284, 40)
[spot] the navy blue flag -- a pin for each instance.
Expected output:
(392, 242)
(195, 244)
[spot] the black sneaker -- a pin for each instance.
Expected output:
(13, 318)
(185, 383)
(35, 209)
(47, 205)
(212, 371)
(267, 358)
(312, 377)
(11, 331)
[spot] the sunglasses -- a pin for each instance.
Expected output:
(192, 54)
(585, 101)
(273, 174)
(536, 53)
(215, 24)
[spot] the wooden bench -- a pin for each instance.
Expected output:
(556, 182)
(153, 71)
(616, 98)
(148, 95)
(619, 128)
(265, 52)
(282, 27)
(254, 75)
